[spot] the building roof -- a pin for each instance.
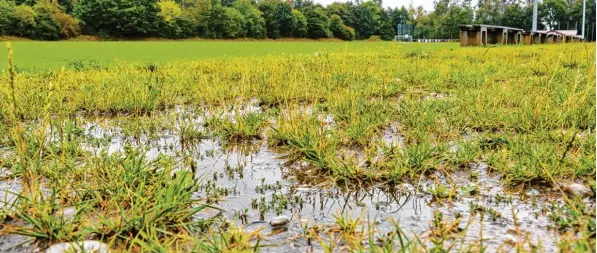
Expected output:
(557, 33)
(566, 32)
(490, 26)
(551, 32)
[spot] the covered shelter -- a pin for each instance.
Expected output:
(551, 36)
(477, 35)
(532, 38)
(569, 35)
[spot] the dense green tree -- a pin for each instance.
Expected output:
(339, 30)
(226, 23)
(284, 16)
(119, 17)
(25, 2)
(390, 20)
(397, 16)
(553, 13)
(278, 18)
(590, 21)
(228, 3)
(489, 12)
(575, 14)
(169, 10)
(574, 21)
(173, 22)
(513, 16)
(6, 17)
(299, 24)
(365, 19)
(318, 24)
(387, 27)
(343, 10)
(200, 11)
(23, 23)
(54, 19)
(67, 5)
(254, 21)
(69, 26)
(187, 25)
(429, 26)
(443, 21)
(299, 4)
(46, 24)
(234, 24)
(455, 14)
(426, 28)
(268, 8)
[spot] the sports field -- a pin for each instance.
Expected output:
(44, 55)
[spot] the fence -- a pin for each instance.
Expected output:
(405, 33)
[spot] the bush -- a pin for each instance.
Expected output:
(69, 26)
(351, 34)
(23, 23)
(374, 38)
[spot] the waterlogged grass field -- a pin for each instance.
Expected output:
(35, 56)
(384, 148)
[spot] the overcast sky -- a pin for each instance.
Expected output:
(427, 4)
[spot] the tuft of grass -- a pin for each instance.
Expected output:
(240, 127)
(305, 138)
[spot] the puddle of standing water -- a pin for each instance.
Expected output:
(413, 211)
(253, 171)
(255, 185)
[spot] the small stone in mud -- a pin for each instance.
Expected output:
(67, 213)
(576, 190)
(279, 221)
(510, 239)
(406, 187)
(84, 246)
(532, 192)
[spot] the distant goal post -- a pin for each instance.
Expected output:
(403, 38)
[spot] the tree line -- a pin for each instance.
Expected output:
(259, 19)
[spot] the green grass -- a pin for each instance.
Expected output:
(528, 112)
(44, 55)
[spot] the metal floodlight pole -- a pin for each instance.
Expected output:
(584, 2)
(534, 29)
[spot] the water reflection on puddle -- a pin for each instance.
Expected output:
(254, 186)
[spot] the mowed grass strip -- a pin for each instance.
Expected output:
(30, 56)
